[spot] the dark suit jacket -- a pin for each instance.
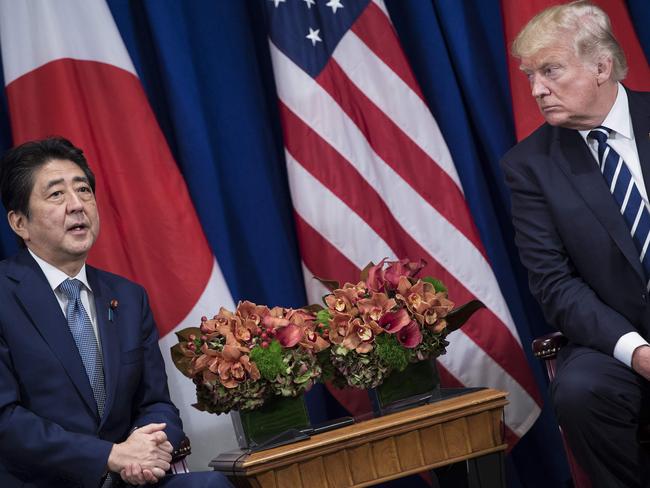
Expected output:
(583, 266)
(50, 433)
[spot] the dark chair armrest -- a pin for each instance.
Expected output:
(547, 347)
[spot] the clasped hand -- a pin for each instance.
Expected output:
(143, 457)
(641, 361)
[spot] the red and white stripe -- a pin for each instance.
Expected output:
(68, 72)
(371, 177)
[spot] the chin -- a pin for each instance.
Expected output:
(80, 249)
(557, 120)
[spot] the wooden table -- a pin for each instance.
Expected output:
(465, 427)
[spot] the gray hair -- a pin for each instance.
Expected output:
(586, 24)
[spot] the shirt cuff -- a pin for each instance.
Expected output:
(626, 345)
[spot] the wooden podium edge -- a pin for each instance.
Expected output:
(238, 463)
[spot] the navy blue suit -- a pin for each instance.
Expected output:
(584, 270)
(50, 432)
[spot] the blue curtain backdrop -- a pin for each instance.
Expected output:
(206, 69)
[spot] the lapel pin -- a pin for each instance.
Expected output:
(112, 306)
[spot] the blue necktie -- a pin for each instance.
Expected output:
(84, 336)
(627, 195)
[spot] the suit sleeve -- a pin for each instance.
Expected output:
(36, 446)
(567, 301)
(151, 403)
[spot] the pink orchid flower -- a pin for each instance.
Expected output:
(410, 336)
(289, 335)
(393, 322)
(376, 306)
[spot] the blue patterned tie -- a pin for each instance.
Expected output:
(84, 336)
(627, 195)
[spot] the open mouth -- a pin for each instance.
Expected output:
(77, 227)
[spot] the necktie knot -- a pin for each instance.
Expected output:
(71, 289)
(627, 196)
(600, 134)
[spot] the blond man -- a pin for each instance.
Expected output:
(580, 209)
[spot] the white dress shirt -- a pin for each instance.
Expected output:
(621, 139)
(55, 277)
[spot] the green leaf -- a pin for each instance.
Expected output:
(437, 284)
(323, 317)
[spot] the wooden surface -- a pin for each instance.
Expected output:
(379, 449)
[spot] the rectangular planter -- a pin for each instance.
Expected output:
(280, 418)
(404, 389)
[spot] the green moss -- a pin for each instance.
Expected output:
(268, 360)
(391, 352)
(323, 317)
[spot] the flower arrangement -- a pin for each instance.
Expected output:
(389, 319)
(240, 359)
(384, 322)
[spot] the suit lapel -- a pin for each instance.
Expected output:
(581, 168)
(42, 307)
(108, 335)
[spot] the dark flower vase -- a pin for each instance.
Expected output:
(416, 384)
(419, 382)
(279, 420)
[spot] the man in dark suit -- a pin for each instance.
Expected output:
(579, 206)
(83, 391)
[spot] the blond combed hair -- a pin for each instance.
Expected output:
(586, 24)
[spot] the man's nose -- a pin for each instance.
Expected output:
(538, 88)
(74, 202)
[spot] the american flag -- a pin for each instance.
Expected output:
(371, 177)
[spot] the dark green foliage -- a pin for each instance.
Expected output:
(328, 369)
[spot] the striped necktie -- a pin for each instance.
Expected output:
(621, 184)
(84, 336)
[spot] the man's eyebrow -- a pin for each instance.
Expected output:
(58, 181)
(52, 183)
(81, 179)
(541, 67)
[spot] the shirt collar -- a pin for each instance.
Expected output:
(618, 119)
(55, 276)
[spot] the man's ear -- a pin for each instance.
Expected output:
(604, 69)
(17, 222)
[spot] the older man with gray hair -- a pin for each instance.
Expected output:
(580, 210)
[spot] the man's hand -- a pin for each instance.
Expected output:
(144, 457)
(641, 361)
(134, 474)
